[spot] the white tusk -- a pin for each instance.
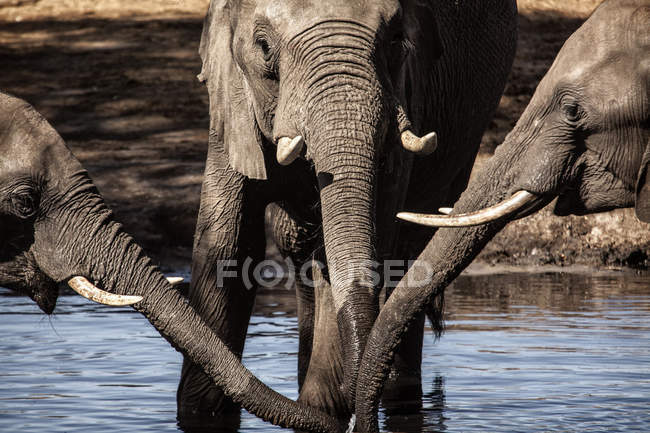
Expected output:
(289, 149)
(175, 281)
(422, 146)
(82, 286)
(446, 210)
(507, 207)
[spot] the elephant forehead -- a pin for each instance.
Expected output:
(617, 77)
(293, 16)
(622, 24)
(17, 139)
(28, 143)
(602, 52)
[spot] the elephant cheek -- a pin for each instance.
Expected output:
(596, 190)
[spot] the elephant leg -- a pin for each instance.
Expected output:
(229, 240)
(403, 388)
(322, 387)
(296, 239)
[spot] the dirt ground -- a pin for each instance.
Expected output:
(117, 79)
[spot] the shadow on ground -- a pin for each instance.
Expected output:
(124, 96)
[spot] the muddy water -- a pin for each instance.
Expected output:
(523, 352)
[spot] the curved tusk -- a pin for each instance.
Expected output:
(422, 146)
(446, 210)
(175, 281)
(82, 286)
(507, 207)
(289, 149)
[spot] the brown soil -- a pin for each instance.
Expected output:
(117, 80)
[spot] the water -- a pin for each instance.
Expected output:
(522, 352)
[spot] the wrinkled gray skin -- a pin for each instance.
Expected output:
(54, 225)
(337, 73)
(584, 138)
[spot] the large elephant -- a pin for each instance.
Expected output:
(55, 227)
(314, 110)
(583, 139)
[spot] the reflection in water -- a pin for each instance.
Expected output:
(545, 352)
(430, 417)
(436, 399)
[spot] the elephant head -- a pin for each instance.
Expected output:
(55, 227)
(583, 139)
(322, 82)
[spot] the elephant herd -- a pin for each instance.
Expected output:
(327, 120)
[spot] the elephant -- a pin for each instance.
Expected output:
(584, 139)
(55, 228)
(328, 118)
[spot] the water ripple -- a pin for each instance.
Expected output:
(522, 352)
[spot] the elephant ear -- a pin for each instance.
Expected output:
(642, 204)
(232, 119)
(421, 28)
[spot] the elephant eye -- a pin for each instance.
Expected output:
(270, 63)
(266, 50)
(24, 202)
(24, 206)
(572, 110)
(400, 46)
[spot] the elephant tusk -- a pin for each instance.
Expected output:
(289, 149)
(446, 210)
(175, 281)
(82, 286)
(507, 207)
(422, 146)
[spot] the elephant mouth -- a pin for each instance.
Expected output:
(23, 275)
(19, 271)
(520, 204)
(569, 202)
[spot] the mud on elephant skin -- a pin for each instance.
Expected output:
(317, 108)
(55, 228)
(584, 138)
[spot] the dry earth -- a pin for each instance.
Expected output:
(117, 79)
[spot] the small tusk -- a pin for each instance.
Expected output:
(175, 281)
(289, 149)
(446, 210)
(82, 286)
(422, 146)
(507, 207)
(352, 423)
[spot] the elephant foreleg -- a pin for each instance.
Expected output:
(229, 238)
(403, 388)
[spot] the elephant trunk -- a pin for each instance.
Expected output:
(83, 240)
(446, 255)
(347, 205)
(345, 122)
